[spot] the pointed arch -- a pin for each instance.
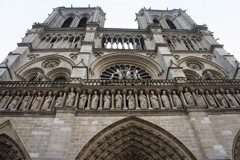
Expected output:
(59, 74)
(134, 138)
(67, 22)
(215, 67)
(82, 22)
(171, 25)
(191, 75)
(10, 145)
(36, 64)
(236, 146)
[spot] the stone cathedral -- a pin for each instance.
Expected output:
(75, 90)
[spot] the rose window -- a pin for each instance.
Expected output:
(195, 65)
(125, 72)
(51, 63)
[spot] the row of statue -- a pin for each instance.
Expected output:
(120, 101)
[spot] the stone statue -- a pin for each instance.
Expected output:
(189, 97)
(176, 100)
(36, 102)
(165, 100)
(231, 99)
(39, 77)
(128, 73)
(95, 98)
(154, 100)
(200, 99)
(14, 102)
(143, 100)
(221, 99)
(209, 75)
(210, 100)
(4, 100)
(107, 100)
(70, 98)
(237, 95)
(119, 73)
(59, 100)
(136, 75)
(83, 100)
(118, 100)
(131, 100)
(25, 102)
(47, 102)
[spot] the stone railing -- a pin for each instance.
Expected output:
(88, 96)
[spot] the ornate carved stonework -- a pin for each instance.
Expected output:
(134, 139)
(195, 65)
(51, 63)
(9, 149)
(125, 72)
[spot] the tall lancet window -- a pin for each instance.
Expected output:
(82, 22)
(170, 24)
(67, 22)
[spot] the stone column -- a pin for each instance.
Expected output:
(124, 100)
(89, 100)
(112, 99)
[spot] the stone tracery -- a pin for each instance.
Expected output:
(125, 72)
(9, 150)
(133, 138)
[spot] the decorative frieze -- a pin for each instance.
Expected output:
(100, 95)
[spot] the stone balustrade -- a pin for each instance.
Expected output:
(118, 95)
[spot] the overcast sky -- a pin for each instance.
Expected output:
(221, 16)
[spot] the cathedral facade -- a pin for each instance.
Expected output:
(75, 90)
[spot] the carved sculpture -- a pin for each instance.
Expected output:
(119, 73)
(131, 100)
(47, 102)
(83, 100)
(118, 100)
(221, 99)
(39, 77)
(36, 102)
(165, 100)
(70, 98)
(154, 100)
(136, 75)
(107, 100)
(25, 101)
(209, 75)
(237, 95)
(95, 98)
(143, 100)
(231, 99)
(176, 100)
(189, 97)
(128, 73)
(210, 100)
(200, 99)
(14, 102)
(4, 100)
(59, 100)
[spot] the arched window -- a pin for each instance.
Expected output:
(156, 22)
(67, 22)
(170, 24)
(82, 22)
(60, 79)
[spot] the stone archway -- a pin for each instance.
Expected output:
(134, 139)
(9, 149)
(236, 146)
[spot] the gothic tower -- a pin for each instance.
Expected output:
(74, 90)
